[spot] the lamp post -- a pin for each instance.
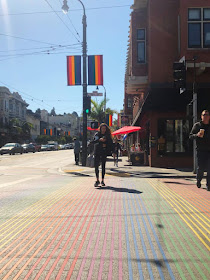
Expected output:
(65, 9)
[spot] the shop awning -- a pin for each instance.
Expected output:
(126, 130)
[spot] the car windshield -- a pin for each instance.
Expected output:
(25, 145)
(9, 145)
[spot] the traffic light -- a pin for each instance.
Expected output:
(88, 105)
(94, 125)
(179, 75)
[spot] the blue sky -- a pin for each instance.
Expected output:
(41, 78)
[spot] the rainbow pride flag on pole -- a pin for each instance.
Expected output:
(74, 70)
(95, 70)
(109, 120)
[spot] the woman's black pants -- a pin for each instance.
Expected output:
(97, 159)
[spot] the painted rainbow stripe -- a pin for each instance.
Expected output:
(74, 70)
(95, 70)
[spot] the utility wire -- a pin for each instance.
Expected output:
(32, 98)
(73, 46)
(71, 22)
(73, 10)
(14, 53)
(62, 20)
(21, 38)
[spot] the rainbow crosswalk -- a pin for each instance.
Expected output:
(134, 228)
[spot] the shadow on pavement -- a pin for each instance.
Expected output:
(78, 174)
(119, 189)
(148, 174)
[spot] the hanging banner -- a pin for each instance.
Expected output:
(74, 70)
(109, 120)
(95, 70)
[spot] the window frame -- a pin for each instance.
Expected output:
(174, 153)
(202, 21)
(140, 41)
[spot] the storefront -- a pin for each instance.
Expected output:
(166, 127)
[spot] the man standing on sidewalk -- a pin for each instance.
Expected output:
(201, 132)
(76, 150)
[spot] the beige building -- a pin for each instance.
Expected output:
(11, 106)
(33, 119)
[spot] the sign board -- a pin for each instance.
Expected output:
(95, 93)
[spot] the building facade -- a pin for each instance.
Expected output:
(34, 120)
(162, 32)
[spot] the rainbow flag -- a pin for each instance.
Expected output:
(95, 70)
(74, 70)
(109, 120)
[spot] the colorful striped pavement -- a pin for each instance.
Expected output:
(134, 228)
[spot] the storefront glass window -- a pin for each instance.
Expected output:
(173, 136)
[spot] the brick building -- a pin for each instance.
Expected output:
(162, 32)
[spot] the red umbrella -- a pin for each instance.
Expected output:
(126, 130)
(89, 128)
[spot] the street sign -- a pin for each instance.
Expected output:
(95, 93)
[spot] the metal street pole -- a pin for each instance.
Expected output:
(195, 116)
(84, 50)
(65, 9)
(104, 103)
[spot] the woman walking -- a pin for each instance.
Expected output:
(103, 146)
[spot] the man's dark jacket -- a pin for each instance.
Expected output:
(202, 144)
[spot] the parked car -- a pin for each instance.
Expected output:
(71, 145)
(29, 148)
(11, 148)
(53, 145)
(37, 147)
(61, 147)
(66, 146)
(45, 147)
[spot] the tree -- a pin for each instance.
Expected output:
(53, 113)
(97, 111)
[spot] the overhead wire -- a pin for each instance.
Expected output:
(72, 10)
(61, 20)
(32, 40)
(71, 22)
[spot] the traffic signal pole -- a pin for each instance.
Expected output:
(84, 49)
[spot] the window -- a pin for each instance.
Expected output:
(199, 28)
(141, 45)
(173, 136)
(130, 102)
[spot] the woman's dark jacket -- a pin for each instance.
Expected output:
(102, 148)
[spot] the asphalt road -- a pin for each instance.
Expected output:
(55, 225)
(15, 169)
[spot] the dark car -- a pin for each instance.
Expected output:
(29, 148)
(11, 148)
(37, 147)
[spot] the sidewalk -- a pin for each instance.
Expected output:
(125, 169)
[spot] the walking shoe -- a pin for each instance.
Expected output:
(208, 188)
(96, 184)
(102, 183)
(198, 184)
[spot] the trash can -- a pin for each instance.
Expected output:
(137, 158)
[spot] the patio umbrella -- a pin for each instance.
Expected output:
(92, 129)
(126, 130)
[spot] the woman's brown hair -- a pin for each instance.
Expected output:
(108, 131)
